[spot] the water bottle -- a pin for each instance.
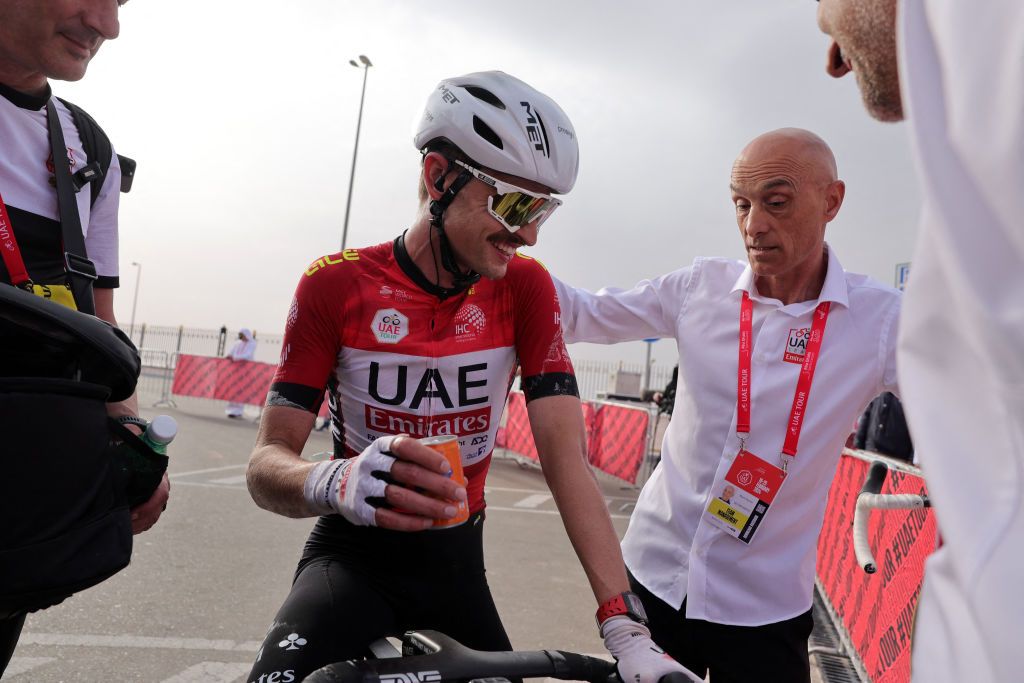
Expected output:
(161, 431)
(142, 473)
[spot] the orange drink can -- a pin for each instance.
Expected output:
(448, 446)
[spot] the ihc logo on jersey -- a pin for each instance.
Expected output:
(389, 326)
(469, 322)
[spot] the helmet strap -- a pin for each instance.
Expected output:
(460, 279)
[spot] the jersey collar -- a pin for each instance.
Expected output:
(410, 268)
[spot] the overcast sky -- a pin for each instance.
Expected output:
(242, 116)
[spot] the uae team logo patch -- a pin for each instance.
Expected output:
(796, 346)
(389, 326)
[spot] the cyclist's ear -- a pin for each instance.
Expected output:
(435, 169)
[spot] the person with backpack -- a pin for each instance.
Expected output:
(58, 229)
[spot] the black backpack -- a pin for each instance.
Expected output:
(98, 151)
(64, 514)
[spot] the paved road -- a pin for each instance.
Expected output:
(205, 582)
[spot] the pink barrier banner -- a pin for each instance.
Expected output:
(240, 381)
(617, 438)
(876, 610)
(616, 435)
(518, 436)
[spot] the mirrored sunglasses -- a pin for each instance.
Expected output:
(514, 206)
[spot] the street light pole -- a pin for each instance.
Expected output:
(135, 298)
(366, 64)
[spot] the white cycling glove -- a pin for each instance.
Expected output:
(345, 486)
(639, 659)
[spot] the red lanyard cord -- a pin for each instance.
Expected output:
(11, 252)
(803, 386)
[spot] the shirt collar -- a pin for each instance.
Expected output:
(24, 100)
(834, 288)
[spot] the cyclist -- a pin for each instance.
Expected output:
(423, 336)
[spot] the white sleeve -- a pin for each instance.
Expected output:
(889, 344)
(979, 61)
(612, 315)
(101, 239)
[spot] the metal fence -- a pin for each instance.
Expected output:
(161, 345)
(200, 342)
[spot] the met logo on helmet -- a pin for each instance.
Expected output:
(389, 326)
(535, 130)
(447, 95)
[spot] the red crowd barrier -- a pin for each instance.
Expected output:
(877, 610)
(617, 440)
(240, 381)
(518, 436)
(616, 435)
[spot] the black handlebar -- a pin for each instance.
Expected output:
(431, 657)
(876, 477)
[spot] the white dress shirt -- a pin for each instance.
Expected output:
(670, 548)
(961, 350)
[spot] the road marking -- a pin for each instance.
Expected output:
(230, 481)
(534, 501)
(20, 665)
(488, 488)
(122, 641)
(211, 672)
(211, 469)
(498, 508)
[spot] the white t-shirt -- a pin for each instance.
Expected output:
(961, 349)
(670, 547)
(31, 200)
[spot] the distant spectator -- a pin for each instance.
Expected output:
(666, 398)
(883, 429)
(244, 349)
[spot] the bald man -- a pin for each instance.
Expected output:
(727, 585)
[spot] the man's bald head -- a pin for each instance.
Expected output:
(785, 189)
(790, 151)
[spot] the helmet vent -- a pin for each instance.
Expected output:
(485, 95)
(486, 132)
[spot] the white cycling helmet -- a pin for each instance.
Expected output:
(503, 124)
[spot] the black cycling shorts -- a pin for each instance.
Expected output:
(355, 585)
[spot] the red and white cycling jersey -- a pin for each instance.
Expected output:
(397, 355)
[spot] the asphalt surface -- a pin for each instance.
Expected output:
(205, 582)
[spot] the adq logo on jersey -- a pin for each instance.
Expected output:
(389, 326)
(796, 347)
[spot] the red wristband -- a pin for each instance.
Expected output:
(624, 604)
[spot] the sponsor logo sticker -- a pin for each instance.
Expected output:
(389, 326)
(796, 345)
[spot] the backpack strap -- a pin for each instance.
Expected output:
(98, 152)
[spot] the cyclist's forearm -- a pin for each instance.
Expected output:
(561, 444)
(276, 477)
(590, 530)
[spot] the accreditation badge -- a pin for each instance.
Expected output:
(741, 500)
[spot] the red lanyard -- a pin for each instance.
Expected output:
(803, 385)
(11, 253)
